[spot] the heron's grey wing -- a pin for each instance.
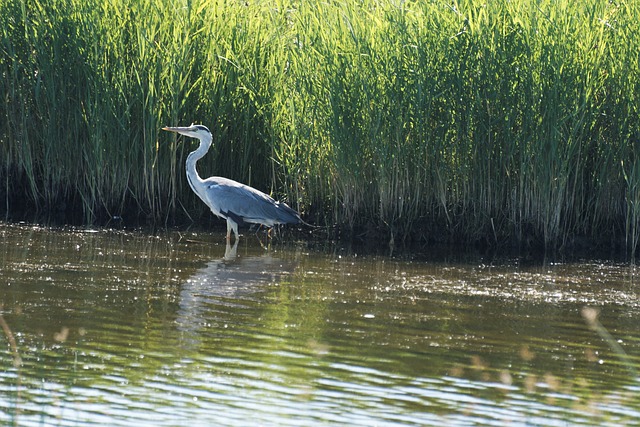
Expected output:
(239, 201)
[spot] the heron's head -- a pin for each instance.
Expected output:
(194, 131)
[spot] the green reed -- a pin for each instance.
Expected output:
(468, 120)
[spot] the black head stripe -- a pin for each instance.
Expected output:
(201, 127)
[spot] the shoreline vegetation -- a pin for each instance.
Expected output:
(490, 123)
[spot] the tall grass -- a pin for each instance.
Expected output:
(468, 120)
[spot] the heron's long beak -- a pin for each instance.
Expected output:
(193, 131)
(176, 129)
(182, 130)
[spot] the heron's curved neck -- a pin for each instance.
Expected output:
(193, 178)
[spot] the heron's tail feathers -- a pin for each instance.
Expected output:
(291, 216)
(286, 215)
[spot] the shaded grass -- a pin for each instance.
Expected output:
(468, 121)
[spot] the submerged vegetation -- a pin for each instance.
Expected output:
(461, 120)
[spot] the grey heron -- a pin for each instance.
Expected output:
(229, 199)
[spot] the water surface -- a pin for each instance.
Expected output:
(127, 328)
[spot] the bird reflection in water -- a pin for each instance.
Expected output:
(211, 296)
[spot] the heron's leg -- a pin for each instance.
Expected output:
(232, 225)
(229, 230)
(231, 253)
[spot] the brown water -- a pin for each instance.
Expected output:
(119, 328)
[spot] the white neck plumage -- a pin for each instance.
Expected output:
(193, 178)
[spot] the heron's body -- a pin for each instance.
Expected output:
(229, 199)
